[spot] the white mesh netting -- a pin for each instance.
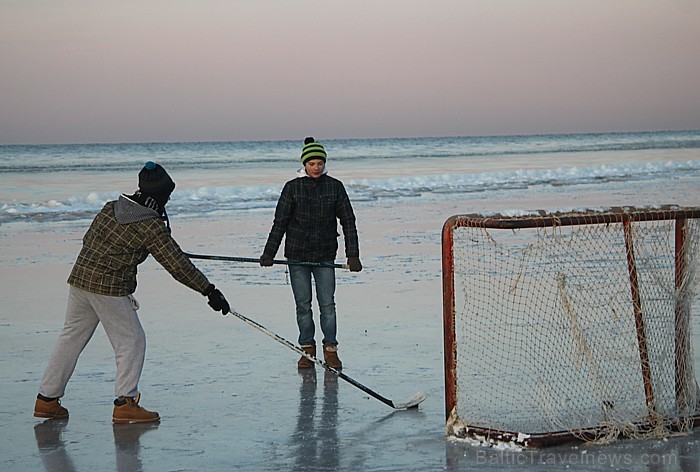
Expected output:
(551, 336)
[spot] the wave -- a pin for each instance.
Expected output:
(235, 198)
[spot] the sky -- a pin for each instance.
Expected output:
(93, 71)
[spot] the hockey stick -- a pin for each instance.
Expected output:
(410, 403)
(275, 261)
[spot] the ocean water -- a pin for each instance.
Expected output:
(46, 183)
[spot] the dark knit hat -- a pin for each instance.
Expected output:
(312, 150)
(153, 179)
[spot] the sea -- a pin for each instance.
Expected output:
(64, 182)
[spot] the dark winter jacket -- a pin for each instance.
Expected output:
(121, 237)
(307, 212)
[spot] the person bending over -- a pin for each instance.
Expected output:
(102, 283)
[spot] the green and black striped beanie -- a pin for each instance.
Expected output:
(312, 150)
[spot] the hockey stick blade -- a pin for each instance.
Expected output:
(410, 403)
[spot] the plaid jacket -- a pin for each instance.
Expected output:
(307, 212)
(121, 237)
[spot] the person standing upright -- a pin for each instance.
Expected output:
(307, 215)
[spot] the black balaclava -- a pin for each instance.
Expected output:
(155, 185)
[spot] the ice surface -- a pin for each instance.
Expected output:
(230, 397)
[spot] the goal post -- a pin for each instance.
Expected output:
(566, 326)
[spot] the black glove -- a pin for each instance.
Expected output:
(355, 264)
(217, 300)
(265, 260)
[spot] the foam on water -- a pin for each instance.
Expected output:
(56, 183)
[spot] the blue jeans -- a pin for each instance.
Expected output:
(324, 278)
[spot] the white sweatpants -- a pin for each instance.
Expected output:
(121, 324)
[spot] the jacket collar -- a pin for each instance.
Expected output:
(301, 173)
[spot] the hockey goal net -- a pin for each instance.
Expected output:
(571, 326)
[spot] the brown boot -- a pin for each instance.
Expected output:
(330, 355)
(127, 410)
(305, 363)
(51, 409)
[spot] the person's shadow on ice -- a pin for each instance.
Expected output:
(316, 443)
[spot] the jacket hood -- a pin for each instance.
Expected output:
(128, 211)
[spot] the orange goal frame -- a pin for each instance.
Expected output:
(624, 216)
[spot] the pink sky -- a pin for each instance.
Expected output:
(200, 70)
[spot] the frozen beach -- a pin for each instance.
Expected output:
(231, 398)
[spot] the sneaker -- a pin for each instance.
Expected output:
(49, 408)
(330, 355)
(127, 410)
(305, 363)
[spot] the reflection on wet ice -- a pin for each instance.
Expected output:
(128, 445)
(52, 449)
(316, 438)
